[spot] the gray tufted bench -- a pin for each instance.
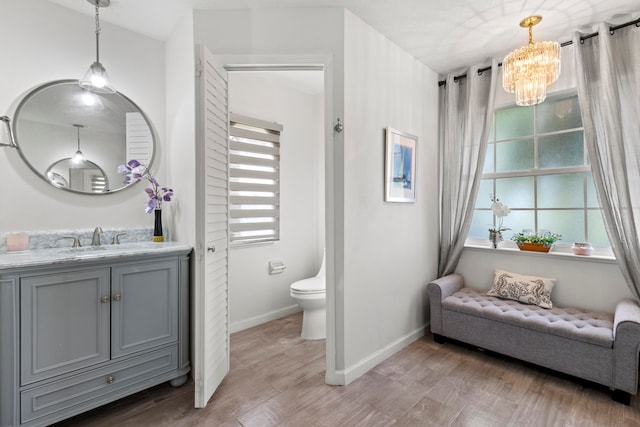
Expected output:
(596, 346)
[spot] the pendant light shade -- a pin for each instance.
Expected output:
(96, 78)
(528, 71)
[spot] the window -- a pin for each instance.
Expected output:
(537, 164)
(254, 176)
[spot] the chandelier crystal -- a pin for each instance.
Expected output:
(528, 71)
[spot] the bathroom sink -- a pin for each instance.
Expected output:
(83, 250)
(106, 249)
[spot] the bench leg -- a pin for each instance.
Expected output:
(439, 339)
(621, 397)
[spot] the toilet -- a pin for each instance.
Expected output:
(310, 294)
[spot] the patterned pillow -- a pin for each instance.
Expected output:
(526, 289)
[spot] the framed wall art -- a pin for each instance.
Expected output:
(400, 166)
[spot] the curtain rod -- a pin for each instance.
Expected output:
(612, 29)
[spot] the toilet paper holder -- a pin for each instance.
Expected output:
(276, 267)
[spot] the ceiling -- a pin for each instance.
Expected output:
(446, 35)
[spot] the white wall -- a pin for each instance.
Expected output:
(255, 296)
(44, 42)
(380, 255)
(390, 248)
(181, 129)
(581, 281)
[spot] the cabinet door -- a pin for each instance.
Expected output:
(144, 306)
(64, 321)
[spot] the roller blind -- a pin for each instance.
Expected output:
(254, 171)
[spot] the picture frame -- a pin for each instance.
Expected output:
(400, 171)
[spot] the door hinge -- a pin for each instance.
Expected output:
(199, 68)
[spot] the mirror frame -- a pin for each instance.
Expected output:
(16, 135)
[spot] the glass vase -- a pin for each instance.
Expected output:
(157, 226)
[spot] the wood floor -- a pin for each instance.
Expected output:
(277, 379)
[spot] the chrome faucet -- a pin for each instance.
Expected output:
(116, 238)
(95, 240)
(76, 241)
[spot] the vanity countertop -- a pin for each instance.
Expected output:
(40, 257)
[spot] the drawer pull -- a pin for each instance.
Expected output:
(117, 297)
(104, 299)
(110, 379)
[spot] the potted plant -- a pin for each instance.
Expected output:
(500, 210)
(538, 242)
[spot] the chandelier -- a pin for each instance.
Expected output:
(528, 71)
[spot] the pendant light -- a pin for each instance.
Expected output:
(530, 69)
(78, 157)
(96, 78)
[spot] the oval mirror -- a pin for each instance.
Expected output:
(75, 139)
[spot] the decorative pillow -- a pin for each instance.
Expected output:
(526, 289)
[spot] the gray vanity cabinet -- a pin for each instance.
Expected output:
(154, 287)
(89, 333)
(64, 323)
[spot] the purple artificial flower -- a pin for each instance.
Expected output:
(135, 171)
(151, 206)
(133, 164)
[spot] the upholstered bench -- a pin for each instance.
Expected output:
(596, 346)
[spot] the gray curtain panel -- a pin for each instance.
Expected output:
(608, 75)
(466, 110)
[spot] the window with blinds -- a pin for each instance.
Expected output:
(254, 173)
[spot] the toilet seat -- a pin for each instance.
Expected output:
(311, 286)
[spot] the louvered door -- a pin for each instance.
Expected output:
(211, 293)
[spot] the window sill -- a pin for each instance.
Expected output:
(558, 251)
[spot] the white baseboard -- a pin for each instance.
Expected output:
(263, 318)
(351, 373)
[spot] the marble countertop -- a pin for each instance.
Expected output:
(67, 255)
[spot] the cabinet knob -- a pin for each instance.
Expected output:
(104, 299)
(117, 297)
(110, 379)
(211, 248)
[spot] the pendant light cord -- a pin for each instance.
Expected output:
(97, 31)
(78, 126)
